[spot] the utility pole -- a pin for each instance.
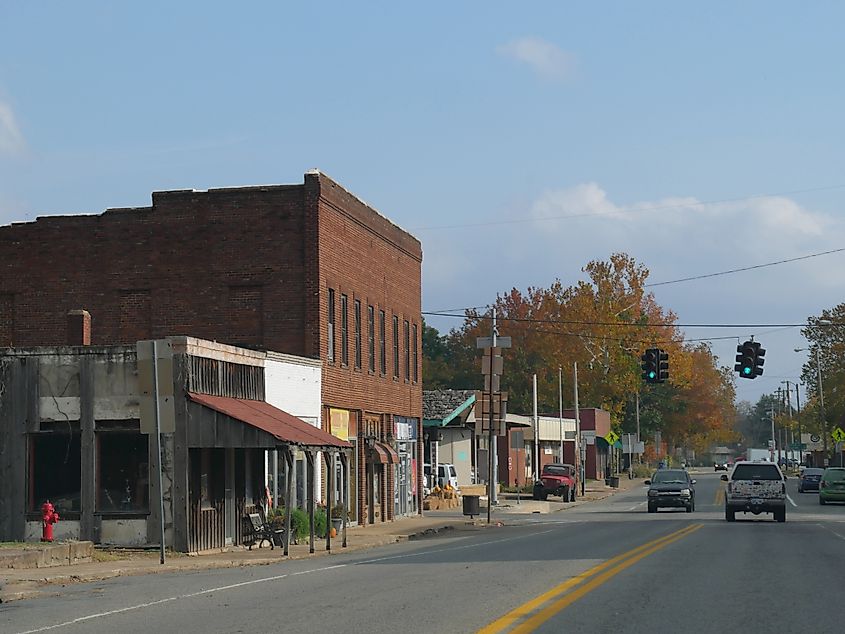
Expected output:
(639, 456)
(560, 409)
(772, 448)
(582, 450)
(821, 403)
(536, 432)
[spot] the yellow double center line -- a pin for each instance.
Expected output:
(528, 616)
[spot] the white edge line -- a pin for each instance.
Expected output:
(791, 501)
(141, 606)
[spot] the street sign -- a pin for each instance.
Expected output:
(797, 446)
(838, 435)
(495, 360)
(487, 342)
(611, 437)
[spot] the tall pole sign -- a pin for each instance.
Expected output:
(491, 404)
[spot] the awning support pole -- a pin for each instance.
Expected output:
(344, 475)
(309, 482)
(289, 486)
(329, 457)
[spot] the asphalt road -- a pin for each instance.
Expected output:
(607, 566)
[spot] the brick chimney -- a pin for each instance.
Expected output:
(79, 328)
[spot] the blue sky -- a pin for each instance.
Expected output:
(468, 113)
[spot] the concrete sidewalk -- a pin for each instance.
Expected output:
(26, 583)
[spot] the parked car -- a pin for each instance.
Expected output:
(671, 488)
(755, 487)
(556, 479)
(810, 479)
(832, 485)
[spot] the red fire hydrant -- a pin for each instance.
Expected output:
(48, 518)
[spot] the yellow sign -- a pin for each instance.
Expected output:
(611, 437)
(838, 434)
(339, 420)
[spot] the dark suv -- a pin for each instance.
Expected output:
(671, 488)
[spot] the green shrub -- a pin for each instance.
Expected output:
(299, 526)
(319, 522)
(642, 471)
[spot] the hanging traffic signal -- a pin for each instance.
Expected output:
(651, 365)
(662, 366)
(758, 359)
(749, 360)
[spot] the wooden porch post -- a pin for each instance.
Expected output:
(288, 485)
(309, 483)
(344, 481)
(329, 458)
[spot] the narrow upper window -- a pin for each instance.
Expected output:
(344, 330)
(331, 325)
(382, 336)
(371, 337)
(395, 347)
(407, 341)
(416, 357)
(358, 333)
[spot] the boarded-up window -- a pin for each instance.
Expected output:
(135, 315)
(7, 319)
(246, 327)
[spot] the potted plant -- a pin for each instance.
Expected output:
(338, 512)
(276, 520)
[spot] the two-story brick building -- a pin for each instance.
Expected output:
(306, 269)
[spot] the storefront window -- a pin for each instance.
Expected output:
(55, 468)
(122, 472)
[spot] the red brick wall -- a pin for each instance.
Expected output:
(364, 256)
(181, 261)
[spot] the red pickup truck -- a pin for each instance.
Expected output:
(556, 479)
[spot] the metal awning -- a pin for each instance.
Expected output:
(284, 428)
(384, 453)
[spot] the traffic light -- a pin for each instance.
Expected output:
(749, 360)
(651, 365)
(662, 366)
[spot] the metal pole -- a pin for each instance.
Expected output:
(798, 414)
(158, 449)
(821, 402)
(639, 456)
(582, 450)
(491, 479)
(772, 448)
(560, 409)
(517, 468)
(536, 432)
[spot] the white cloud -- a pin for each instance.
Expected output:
(11, 139)
(545, 58)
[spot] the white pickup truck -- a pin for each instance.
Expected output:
(755, 487)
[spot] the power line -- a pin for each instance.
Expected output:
(627, 210)
(745, 268)
(618, 323)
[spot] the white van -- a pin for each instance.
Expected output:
(446, 474)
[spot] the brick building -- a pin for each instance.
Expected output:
(305, 269)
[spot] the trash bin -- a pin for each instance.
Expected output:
(471, 505)
(614, 481)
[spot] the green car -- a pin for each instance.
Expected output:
(832, 485)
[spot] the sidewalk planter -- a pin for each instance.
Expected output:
(613, 481)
